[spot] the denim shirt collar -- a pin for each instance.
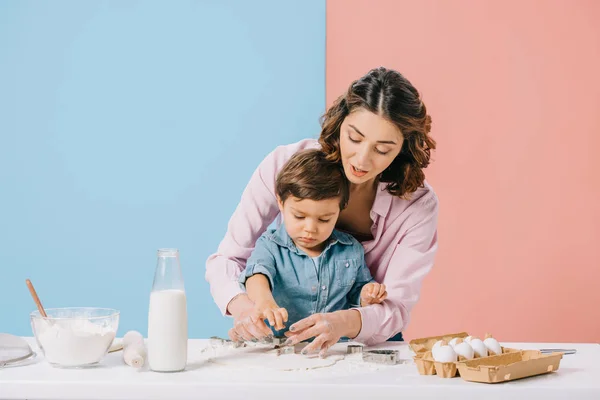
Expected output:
(281, 237)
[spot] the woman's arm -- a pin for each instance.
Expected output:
(256, 210)
(411, 261)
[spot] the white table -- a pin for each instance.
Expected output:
(577, 378)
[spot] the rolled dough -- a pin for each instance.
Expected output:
(265, 357)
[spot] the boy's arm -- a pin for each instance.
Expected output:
(260, 264)
(258, 280)
(363, 276)
(259, 289)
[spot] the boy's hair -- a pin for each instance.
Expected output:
(310, 175)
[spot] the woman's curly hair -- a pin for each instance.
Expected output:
(389, 94)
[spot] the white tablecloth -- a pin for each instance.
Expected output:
(577, 378)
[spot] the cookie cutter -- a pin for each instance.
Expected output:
(267, 340)
(354, 348)
(278, 340)
(285, 350)
(232, 344)
(215, 340)
(389, 357)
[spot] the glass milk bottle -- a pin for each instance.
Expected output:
(167, 316)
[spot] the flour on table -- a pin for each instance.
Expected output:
(256, 355)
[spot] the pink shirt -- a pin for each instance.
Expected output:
(400, 255)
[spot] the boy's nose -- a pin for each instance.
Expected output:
(310, 227)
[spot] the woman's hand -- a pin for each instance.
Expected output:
(326, 328)
(247, 323)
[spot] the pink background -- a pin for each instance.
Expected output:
(513, 88)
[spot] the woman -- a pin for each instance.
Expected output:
(379, 132)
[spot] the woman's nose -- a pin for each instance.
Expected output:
(362, 157)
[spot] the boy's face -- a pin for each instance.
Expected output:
(308, 222)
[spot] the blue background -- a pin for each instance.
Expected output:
(128, 126)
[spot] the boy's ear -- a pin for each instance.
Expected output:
(279, 203)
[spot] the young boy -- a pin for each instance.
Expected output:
(306, 266)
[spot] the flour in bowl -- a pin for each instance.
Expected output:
(73, 343)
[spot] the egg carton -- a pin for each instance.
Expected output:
(510, 365)
(426, 365)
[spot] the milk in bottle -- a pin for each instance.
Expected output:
(167, 316)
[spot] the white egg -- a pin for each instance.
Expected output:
(464, 349)
(478, 347)
(436, 346)
(445, 354)
(492, 345)
(453, 342)
(468, 339)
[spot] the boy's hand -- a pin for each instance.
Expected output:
(372, 293)
(276, 315)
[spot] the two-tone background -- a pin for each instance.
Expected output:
(126, 126)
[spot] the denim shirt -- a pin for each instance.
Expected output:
(301, 288)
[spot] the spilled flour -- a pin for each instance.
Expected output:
(261, 356)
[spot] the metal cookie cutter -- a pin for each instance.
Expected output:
(279, 340)
(389, 357)
(267, 340)
(232, 344)
(215, 340)
(285, 350)
(354, 348)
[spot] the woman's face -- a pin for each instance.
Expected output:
(368, 145)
